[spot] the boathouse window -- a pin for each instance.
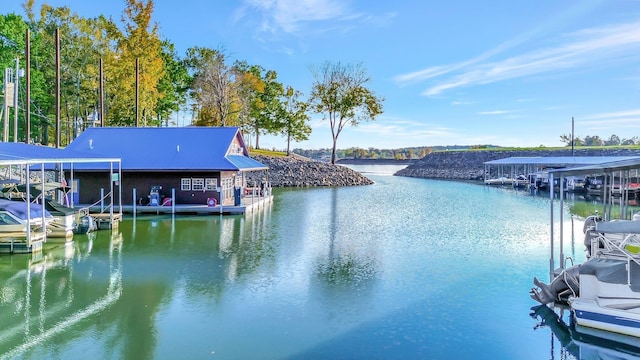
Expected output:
(211, 184)
(197, 184)
(185, 184)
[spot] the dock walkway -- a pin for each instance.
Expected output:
(248, 205)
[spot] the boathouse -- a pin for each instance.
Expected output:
(191, 165)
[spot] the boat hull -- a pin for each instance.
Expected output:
(591, 314)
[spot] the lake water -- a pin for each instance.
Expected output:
(402, 269)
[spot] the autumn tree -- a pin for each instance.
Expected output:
(249, 85)
(265, 100)
(140, 42)
(339, 91)
(294, 117)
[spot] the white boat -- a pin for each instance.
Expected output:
(22, 226)
(603, 292)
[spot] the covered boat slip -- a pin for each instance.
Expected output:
(604, 291)
(32, 165)
(623, 169)
(536, 169)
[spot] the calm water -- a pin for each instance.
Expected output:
(403, 269)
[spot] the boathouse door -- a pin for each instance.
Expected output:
(75, 194)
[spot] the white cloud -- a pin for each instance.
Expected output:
(494, 112)
(289, 15)
(617, 114)
(582, 49)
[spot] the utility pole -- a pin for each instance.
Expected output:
(8, 101)
(572, 137)
(16, 81)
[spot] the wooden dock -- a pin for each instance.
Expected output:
(17, 242)
(249, 205)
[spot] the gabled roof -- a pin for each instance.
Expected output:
(166, 149)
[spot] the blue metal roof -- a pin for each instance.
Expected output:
(246, 163)
(554, 161)
(166, 149)
(632, 163)
(31, 153)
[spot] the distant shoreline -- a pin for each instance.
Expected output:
(376, 161)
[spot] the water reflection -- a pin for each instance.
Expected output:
(46, 295)
(578, 342)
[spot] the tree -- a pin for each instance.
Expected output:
(213, 88)
(264, 95)
(612, 141)
(592, 141)
(140, 42)
(174, 85)
(294, 118)
(339, 91)
(566, 138)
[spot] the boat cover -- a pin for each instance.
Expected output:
(619, 226)
(612, 271)
(19, 208)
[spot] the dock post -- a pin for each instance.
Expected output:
(135, 201)
(551, 254)
(561, 215)
(101, 199)
(173, 201)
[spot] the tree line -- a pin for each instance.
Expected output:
(139, 67)
(410, 153)
(595, 140)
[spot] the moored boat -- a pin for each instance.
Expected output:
(22, 226)
(605, 294)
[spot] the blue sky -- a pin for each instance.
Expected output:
(508, 73)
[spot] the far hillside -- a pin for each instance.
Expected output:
(408, 153)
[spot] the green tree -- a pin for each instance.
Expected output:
(593, 141)
(339, 91)
(174, 85)
(265, 97)
(294, 118)
(82, 43)
(612, 141)
(12, 45)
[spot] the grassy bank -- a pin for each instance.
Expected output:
(584, 209)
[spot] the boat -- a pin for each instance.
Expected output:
(604, 291)
(68, 220)
(22, 225)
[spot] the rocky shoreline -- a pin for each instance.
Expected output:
(469, 164)
(297, 171)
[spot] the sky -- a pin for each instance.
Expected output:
(465, 72)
